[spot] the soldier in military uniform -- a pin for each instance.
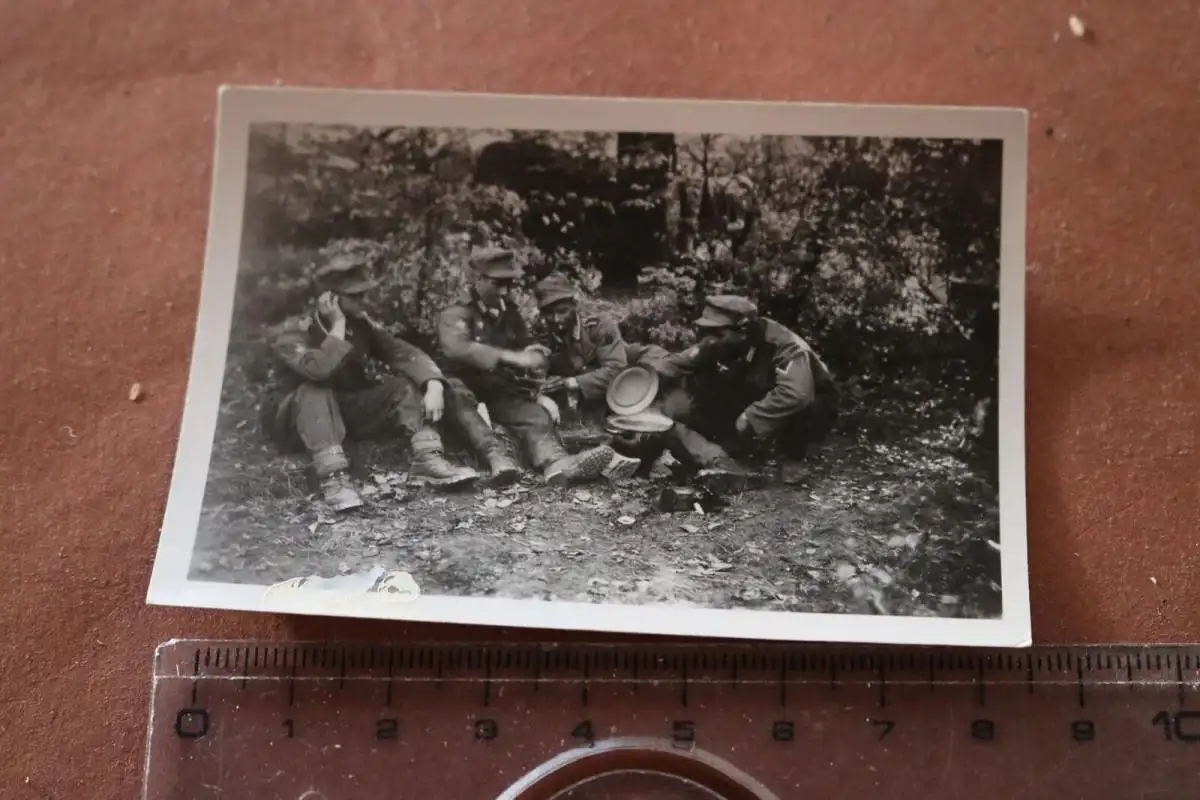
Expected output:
(492, 357)
(584, 353)
(750, 385)
(328, 391)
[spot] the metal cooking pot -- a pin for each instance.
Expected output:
(632, 391)
(638, 435)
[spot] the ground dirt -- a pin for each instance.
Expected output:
(884, 519)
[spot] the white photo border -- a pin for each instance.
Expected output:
(240, 107)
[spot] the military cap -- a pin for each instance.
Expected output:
(495, 262)
(726, 311)
(552, 289)
(345, 274)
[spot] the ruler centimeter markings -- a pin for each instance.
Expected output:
(234, 720)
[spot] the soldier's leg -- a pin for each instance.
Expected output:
(393, 410)
(535, 433)
(315, 420)
(462, 411)
(689, 447)
(695, 439)
(804, 431)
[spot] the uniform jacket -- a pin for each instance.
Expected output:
(470, 338)
(593, 354)
(308, 355)
(778, 378)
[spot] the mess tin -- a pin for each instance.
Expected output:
(635, 427)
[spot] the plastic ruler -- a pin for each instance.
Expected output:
(338, 721)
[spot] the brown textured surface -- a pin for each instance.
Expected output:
(105, 153)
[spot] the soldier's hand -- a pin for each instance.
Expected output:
(554, 385)
(551, 408)
(329, 308)
(742, 425)
(523, 359)
(434, 403)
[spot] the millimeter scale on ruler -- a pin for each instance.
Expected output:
(326, 721)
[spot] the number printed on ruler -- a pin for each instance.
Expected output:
(1076, 724)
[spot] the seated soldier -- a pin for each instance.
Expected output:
(583, 354)
(492, 358)
(326, 392)
(750, 385)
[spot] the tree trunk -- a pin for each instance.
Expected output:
(640, 237)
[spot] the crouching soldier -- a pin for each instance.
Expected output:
(583, 354)
(491, 356)
(748, 387)
(326, 390)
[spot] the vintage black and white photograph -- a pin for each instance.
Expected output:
(750, 370)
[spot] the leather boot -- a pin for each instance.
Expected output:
(429, 462)
(332, 468)
(505, 470)
(485, 443)
(589, 465)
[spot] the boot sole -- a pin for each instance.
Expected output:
(624, 468)
(618, 468)
(444, 483)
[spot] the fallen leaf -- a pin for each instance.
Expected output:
(504, 503)
(845, 572)
(583, 495)
(690, 528)
(518, 526)
(897, 541)
(491, 502)
(626, 520)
